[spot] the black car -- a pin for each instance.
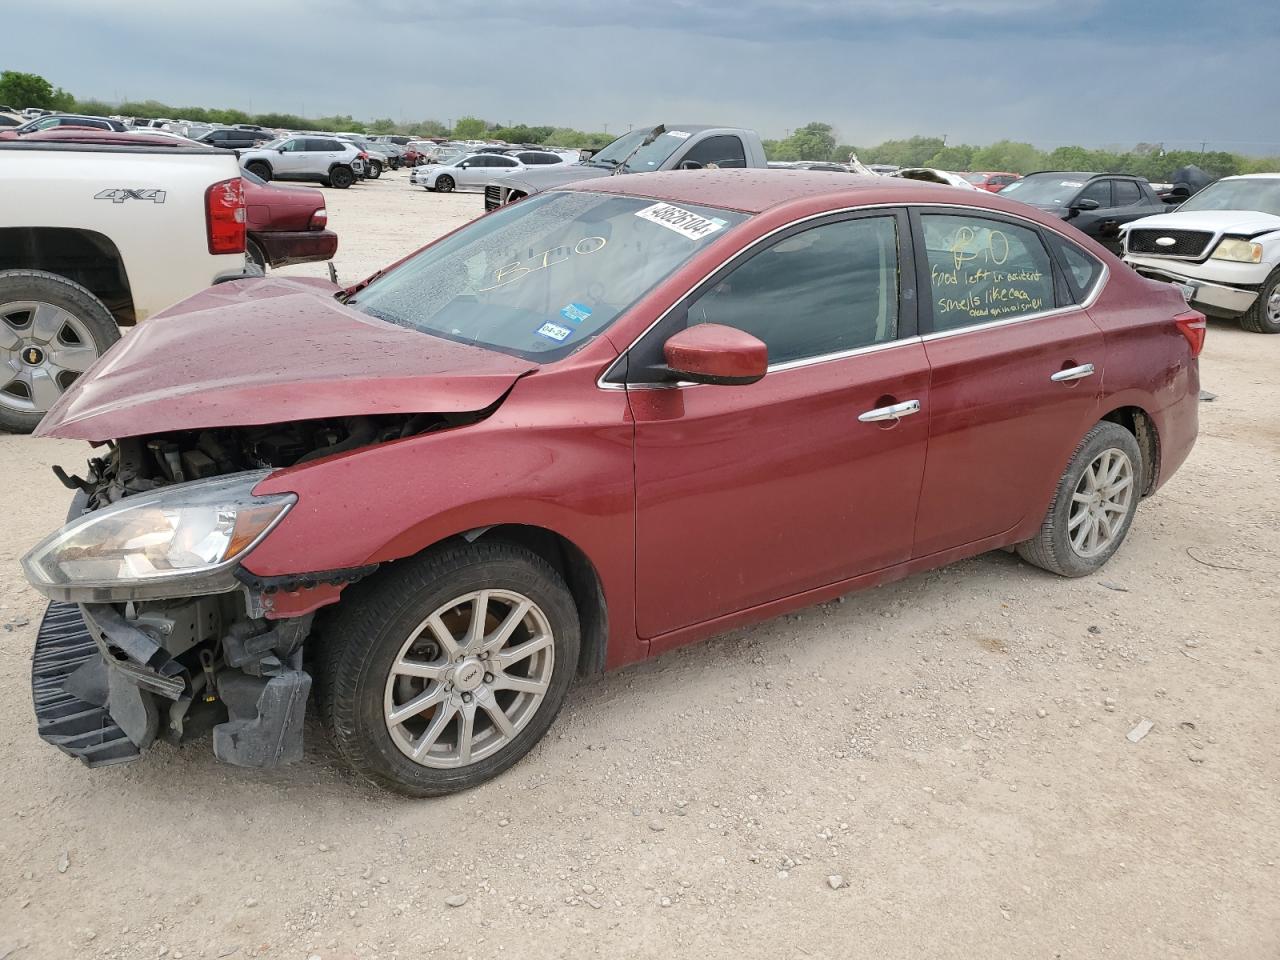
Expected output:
(234, 138)
(1096, 204)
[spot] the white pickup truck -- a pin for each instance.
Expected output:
(98, 231)
(1221, 249)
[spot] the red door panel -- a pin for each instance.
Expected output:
(1000, 429)
(750, 494)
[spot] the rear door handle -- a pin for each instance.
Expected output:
(1073, 373)
(895, 411)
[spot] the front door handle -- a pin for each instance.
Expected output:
(1073, 373)
(895, 411)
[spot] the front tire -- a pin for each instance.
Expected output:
(375, 169)
(1093, 506)
(341, 177)
(444, 184)
(1264, 315)
(421, 696)
(51, 330)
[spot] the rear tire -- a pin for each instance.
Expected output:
(444, 184)
(1264, 315)
(381, 630)
(51, 329)
(375, 169)
(341, 177)
(259, 169)
(1093, 507)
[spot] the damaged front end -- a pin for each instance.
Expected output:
(154, 629)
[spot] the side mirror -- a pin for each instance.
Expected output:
(716, 354)
(1080, 206)
(463, 166)
(279, 149)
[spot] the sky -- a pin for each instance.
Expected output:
(1090, 72)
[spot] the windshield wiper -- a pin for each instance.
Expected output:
(654, 134)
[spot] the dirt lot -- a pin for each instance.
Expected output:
(953, 747)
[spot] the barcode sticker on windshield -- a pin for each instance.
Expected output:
(684, 222)
(678, 134)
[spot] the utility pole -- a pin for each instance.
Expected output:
(1203, 144)
(606, 128)
(944, 139)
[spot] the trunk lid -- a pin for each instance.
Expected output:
(269, 351)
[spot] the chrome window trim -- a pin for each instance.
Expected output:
(1092, 298)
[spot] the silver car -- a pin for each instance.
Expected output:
(469, 173)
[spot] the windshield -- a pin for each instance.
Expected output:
(646, 158)
(456, 159)
(1048, 189)
(542, 277)
(1261, 195)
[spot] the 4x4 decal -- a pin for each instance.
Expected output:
(120, 195)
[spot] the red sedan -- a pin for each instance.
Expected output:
(285, 224)
(582, 430)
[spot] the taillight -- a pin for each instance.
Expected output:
(1192, 326)
(224, 216)
(364, 155)
(319, 219)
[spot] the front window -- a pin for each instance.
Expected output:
(1047, 190)
(269, 145)
(542, 277)
(1261, 195)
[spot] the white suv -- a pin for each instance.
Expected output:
(1221, 248)
(327, 160)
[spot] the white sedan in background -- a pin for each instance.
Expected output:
(468, 173)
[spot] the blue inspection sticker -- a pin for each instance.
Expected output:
(553, 331)
(575, 312)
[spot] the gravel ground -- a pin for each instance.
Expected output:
(934, 769)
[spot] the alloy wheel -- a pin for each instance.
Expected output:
(43, 349)
(1100, 503)
(1273, 305)
(469, 678)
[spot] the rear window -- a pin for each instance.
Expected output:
(1083, 269)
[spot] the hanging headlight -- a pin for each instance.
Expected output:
(182, 540)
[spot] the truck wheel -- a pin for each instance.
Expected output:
(1093, 507)
(51, 330)
(445, 671)
(444, 184)
(1264, 315)
(341, 177)
(259, 169)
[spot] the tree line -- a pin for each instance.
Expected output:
(813, 141)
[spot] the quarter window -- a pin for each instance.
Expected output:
(982, 270)
(1084, 270)
(825, 290)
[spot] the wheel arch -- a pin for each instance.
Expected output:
(86, 257)
(1140, 423)
(567, 559)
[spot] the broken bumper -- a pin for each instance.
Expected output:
(104, 690)
(304, 246)
(1214, 298)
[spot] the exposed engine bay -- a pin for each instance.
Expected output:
(176, 669)
(138, 464)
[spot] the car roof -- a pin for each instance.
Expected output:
(1080, 175)
(755, 191)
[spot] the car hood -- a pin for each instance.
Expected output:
(268, 351)
(1243, 222)
(553, 176)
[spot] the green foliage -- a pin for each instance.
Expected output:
(426, 128)
(914, 152)
(813, 141)
(22, 90)
(470, 128)
(1007, 156)
(385, 125)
